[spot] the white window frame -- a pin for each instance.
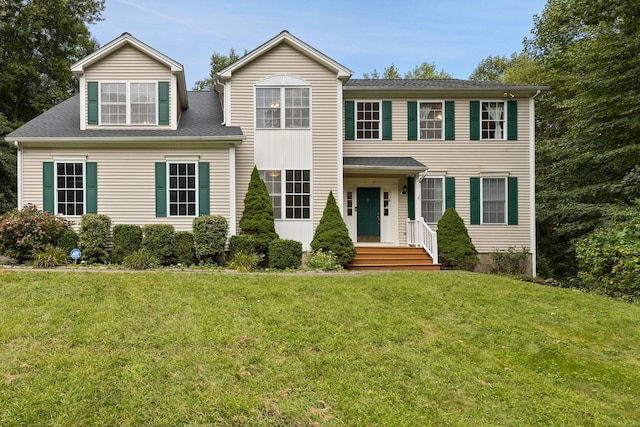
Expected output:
(505, 203)
(273, 174)
(284, 194)
(84, 186)
(195, 189)
(282, 106)
(489, 120)
(442, 117)
(128, 113)
(365, 120)
(423, 200)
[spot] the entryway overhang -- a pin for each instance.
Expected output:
(383, 165)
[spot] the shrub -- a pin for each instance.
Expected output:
(324, 261)
(609, 260)
(245, 261)
(68, 241)
(257, 218)
(185, 249)
(209, 238)
(50, 257)
(140, 260)
(241, 243)
(24, 232)
(285, 254)
(127, 239)
(510, 261)
(159, 241)
(93, 238)
(455, 248)
(332, 234)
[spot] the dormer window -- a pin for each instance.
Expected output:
(122, 103)
(128, 103)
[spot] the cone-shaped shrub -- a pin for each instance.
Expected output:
(257, 217)
(455, 248)
(332, 234)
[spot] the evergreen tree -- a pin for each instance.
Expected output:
(455, 248)
(257, 218)
(332, 234)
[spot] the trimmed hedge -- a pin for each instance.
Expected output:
(244, 243)
(159, 241)
(185, 249)
(127, 239)
(210, 237)
(285, 254)
(93, 238)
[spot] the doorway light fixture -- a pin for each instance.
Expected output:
(404, 190)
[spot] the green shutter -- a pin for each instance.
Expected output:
(513, 200)
(48, 187)
(474, 120)
(449, 192)
(474, 186)
(412, 121)
(386, 120)
(449, 121)
(204, 206)
(92, 187)
(163, 103)
(349, 120)
(161, 189)
(92, 103)
(411, 197)
(512, 120)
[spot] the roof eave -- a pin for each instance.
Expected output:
(519, 89)
(233, 139)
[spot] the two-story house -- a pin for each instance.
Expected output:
(136, 145)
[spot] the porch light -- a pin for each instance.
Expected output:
(404, 190)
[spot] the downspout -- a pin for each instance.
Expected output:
(19, 174)
(532, 182)
(232, 191)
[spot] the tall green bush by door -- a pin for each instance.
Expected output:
(455, 248)
(332, 233)
(257, 217)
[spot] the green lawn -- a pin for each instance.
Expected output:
(388, 349)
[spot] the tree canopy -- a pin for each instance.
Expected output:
(589, 149)
(218, 63)
(422, 71)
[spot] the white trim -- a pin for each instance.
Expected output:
(232, 191)
(184, 159)
(226, 114)
(128, 122)
(506, 200)
(82, 84)
(340, 151)
(70, 159)
(196, 188)
(20, 168)
(283, 80)
(355, 120)
(442, 129)
(505, 122)
(532, 185)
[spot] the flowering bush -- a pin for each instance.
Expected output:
(27, 231)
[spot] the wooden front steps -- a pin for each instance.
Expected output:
(391, 258)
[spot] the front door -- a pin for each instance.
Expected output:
(368, 209)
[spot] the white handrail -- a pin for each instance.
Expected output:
(420, 234)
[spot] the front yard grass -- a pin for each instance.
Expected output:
(385, 349)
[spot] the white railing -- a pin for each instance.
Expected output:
(420, 234)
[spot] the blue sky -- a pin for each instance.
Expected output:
(454, 34)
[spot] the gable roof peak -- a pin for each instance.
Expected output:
(285, 36)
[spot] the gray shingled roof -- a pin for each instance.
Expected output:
(203, 118)
(451, 84)
(383, 162)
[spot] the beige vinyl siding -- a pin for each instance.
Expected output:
(285, 60)
(126, 180)
(463, 159)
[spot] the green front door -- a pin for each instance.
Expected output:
(369, 214)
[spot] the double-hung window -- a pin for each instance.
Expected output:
(128, 103)
(295, 201)
(432, 199)
(183, 180)
(494, 200)
(283, 107)
(493, 120)
(431, 120)
(368, 123)
(70, 188)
